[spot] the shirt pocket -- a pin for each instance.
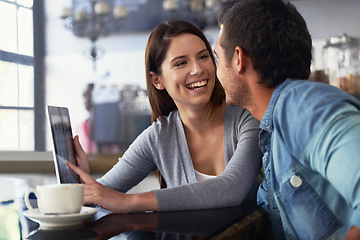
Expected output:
(306, 212)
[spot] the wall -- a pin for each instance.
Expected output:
(327, 18)
(68, 69)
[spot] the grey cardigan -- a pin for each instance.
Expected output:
(163, 146)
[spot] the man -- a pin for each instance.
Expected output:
(310, 134)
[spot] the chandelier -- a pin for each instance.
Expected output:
(94, 18)
(204, 11)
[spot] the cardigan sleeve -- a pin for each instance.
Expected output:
(136, 163)
(232, 187)
(163, 146)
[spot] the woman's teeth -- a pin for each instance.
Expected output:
(197, 85)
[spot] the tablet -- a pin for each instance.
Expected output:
(63, 143)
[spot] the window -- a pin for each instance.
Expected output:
(18, 88)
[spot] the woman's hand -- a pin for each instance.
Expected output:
(117, 202)
(96, 193)
(81, 156)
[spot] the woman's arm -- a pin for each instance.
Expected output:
(134, 165)
(230, 188)
(112, 200)
(115, 201)
(170, 155)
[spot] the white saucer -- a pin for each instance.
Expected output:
(60, 220)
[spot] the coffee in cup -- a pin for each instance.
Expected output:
(57, 198)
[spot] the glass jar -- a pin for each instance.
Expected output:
(341, 57)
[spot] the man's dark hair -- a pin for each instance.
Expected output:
(273, 34)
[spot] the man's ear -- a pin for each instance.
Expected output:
(156, 81)
(240, 59)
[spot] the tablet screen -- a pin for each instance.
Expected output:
(63, 144)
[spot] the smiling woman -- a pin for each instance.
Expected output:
(187, 72)
(194, 133)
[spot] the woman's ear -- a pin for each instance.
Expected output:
(156, 81)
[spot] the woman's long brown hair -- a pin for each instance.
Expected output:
(156, 48)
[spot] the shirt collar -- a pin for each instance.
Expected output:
(266, 122)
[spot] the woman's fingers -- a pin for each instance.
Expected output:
(92, 189)
(81, 152)
(81, 155)
(83, 175)
(90, 197)
(96, 193)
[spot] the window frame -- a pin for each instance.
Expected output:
(39, 75)
(37, 61)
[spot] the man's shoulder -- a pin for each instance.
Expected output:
(309, 105)
(308, 91)
(304, 95)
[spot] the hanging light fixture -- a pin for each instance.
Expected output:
(170, 5)
(95, 18)
(205, 11)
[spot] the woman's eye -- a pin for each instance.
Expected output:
(204, 56)
(179, 63)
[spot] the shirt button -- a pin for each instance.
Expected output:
(295, 181)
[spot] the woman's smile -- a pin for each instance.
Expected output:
(198, 85)
(188, 71)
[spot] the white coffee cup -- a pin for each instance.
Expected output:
(57, 198)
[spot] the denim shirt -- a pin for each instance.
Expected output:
(310, 138)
